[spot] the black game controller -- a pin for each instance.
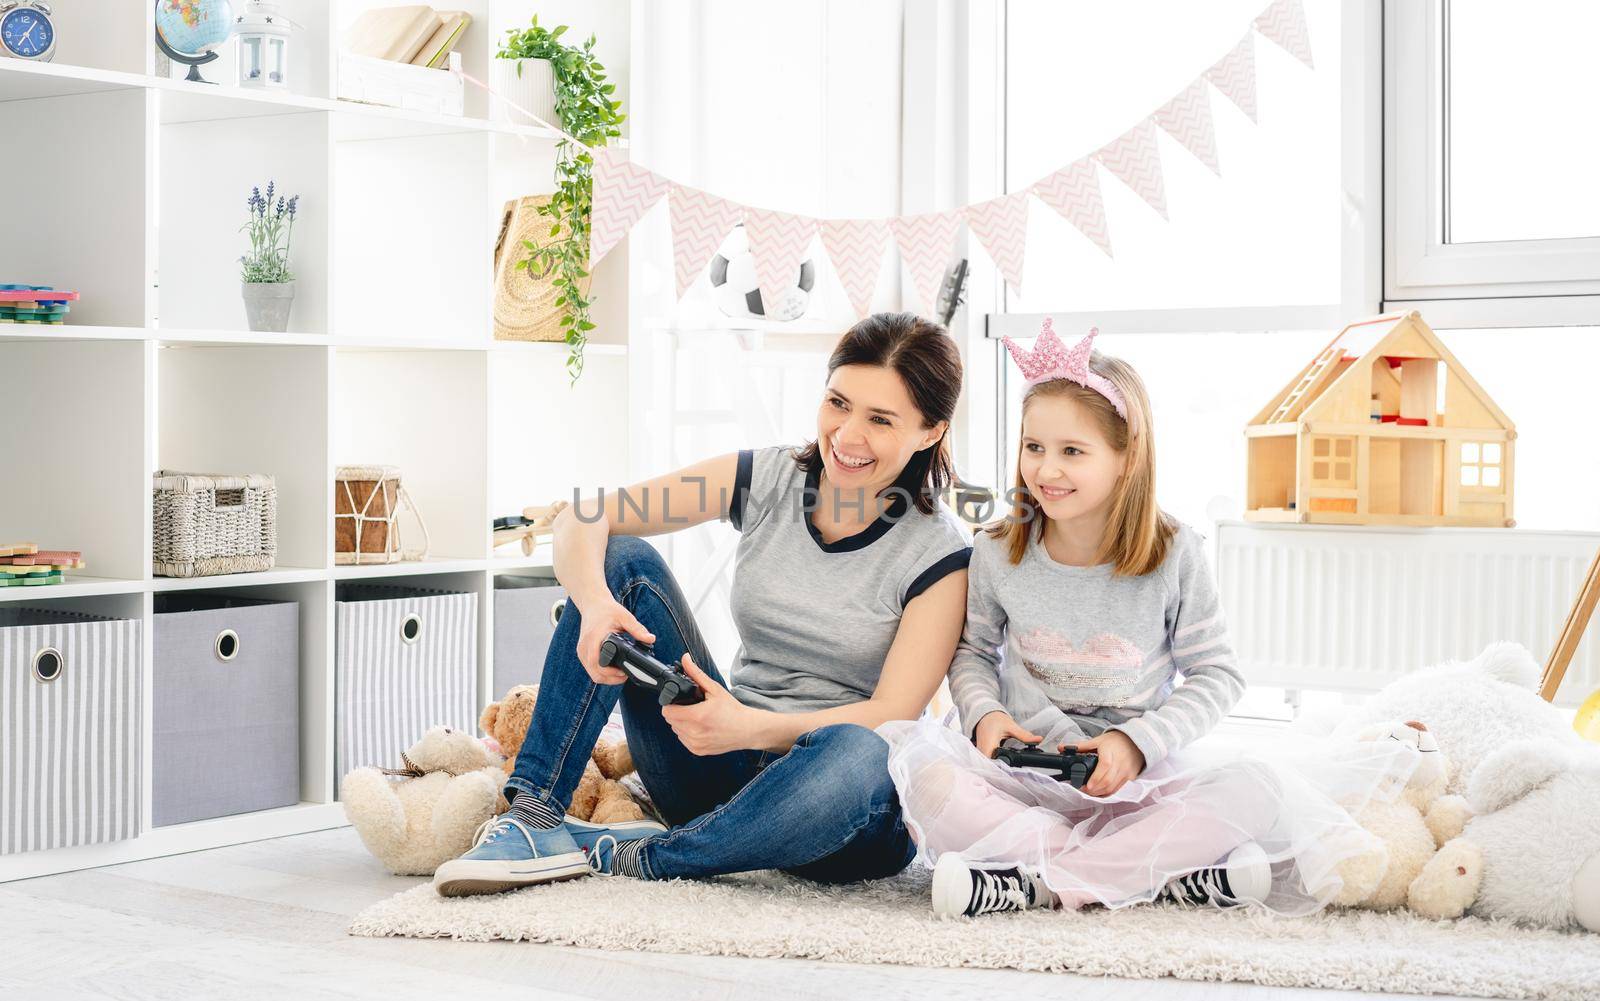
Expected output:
(1069, 767)
(671, 685)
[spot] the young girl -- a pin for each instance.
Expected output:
(1083, 611)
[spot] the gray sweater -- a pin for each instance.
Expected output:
(1071, 652)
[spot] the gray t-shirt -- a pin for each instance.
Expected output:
(817, 618)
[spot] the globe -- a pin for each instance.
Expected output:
(188, 30)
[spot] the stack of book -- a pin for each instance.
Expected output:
(26, 565)
(415, 34)
(34, 304)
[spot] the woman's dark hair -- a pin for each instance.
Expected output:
(922, 354)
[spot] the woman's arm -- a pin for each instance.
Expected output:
(924, 643)
(691, 496)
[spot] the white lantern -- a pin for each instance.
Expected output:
(263, 35)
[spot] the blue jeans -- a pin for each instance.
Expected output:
(825, 810)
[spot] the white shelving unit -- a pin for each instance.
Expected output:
(130, 187)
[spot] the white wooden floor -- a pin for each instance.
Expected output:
(267, 920)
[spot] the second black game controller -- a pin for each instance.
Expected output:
(1069, 766)
(671, 685)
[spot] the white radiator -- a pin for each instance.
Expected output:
(1352, 608)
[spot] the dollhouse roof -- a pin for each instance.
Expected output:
(1349, 357)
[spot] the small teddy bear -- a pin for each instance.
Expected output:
(429, 814)
(1411, 825)
(600, 797)
(1531, 852)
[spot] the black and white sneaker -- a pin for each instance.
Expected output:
(1244, 877)
(959, 889)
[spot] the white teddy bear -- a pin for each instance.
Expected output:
(1531, 851)
(413, 824)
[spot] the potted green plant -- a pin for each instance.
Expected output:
(267, 282)
(588, 113)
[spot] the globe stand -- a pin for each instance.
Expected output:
(193, 62)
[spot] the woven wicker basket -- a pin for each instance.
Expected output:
(208, 525)
(524, 306)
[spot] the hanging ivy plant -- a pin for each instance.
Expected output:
(588, 114)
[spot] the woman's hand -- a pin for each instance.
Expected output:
(721, 723)
(997, 726)
(601, 619)
(1120, 760)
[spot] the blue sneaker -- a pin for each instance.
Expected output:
(507, 854)
(599, 841)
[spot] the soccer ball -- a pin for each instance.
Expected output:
(735, 291)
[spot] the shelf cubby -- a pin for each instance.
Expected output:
(99, 35)
(427, 413)
(73, 452)
(235, 409)
(309, 51)
(208, 166)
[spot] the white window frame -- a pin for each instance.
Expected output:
(1361, 181)
(1512, 283)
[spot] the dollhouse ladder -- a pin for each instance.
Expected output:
(1313, 377)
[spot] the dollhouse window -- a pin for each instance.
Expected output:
(1480, 464)
(1333, 461)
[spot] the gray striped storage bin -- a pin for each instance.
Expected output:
(224, 707)
(405, 659)
(70, 729)
(526, 610)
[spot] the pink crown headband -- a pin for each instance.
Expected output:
(1050, 359)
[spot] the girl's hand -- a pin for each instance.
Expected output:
(1120, 760)
(997, 726)
(600, 620)
(721, 723)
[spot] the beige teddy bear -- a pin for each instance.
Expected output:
(600, 797)
(1411, 825)
(429, 811)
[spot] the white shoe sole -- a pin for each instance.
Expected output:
(466, 877)
(642, 827)
(952, 885)
(1249, 874)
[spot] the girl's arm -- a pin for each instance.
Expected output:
(923, 644)
(1198, 639)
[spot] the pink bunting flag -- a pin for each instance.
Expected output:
(926, 244)
(1001, 225)
(700, 222)
(778, 244)
(1285, 23)
(623, 193)
(1187, 118)
(1133, 157)
(855, 246)
(1074, 191)
(1235, 75)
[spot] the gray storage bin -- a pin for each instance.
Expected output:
(405, 659)
(225, 707)
(526, 610)
(71, 729)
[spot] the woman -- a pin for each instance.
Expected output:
(849, 596)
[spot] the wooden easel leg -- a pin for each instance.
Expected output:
(1577, 621)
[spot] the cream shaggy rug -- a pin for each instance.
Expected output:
(772, 915)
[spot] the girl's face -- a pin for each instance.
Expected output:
(868, 428)
(1066, 462)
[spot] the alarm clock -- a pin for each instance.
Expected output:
(27, 30)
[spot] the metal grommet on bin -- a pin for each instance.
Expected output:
(226, 646)
(556, 609)
(411, 628)
(48, 664)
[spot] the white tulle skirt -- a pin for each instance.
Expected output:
(1184, 813)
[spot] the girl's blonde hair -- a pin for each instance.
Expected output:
(1138, 532)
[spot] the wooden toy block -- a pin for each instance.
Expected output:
(19, 549)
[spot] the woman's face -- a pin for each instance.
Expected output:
(868, 428)
(1066, 462)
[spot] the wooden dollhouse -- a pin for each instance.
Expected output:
(1383, 427)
